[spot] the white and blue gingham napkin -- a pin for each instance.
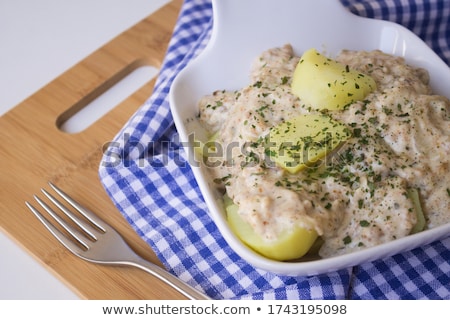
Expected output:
(147, 177)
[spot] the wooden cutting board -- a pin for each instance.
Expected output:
(33, 151)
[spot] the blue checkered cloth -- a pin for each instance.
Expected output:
(153, 187)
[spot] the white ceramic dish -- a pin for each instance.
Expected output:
(244, 29)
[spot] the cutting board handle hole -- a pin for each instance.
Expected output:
(105, 97)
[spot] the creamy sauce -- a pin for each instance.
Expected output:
(357, 197)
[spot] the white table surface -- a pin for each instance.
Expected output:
(38, 41)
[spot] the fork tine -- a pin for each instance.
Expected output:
(73, 232)
(65, 241)
(84, 226)
(89, 215)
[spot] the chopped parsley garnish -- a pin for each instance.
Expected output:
(284, 80)
(364, 223)
(347, 240)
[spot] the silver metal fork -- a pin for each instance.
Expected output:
(98, 242)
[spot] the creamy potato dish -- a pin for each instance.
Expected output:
(329, 161)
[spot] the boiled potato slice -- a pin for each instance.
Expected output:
(203, 149)
(292, 244)
(323, 83)
(303, 140)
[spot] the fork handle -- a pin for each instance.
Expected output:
(168, 278)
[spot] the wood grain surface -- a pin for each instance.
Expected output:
(34, 151)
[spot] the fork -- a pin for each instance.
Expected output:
(98, 242)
